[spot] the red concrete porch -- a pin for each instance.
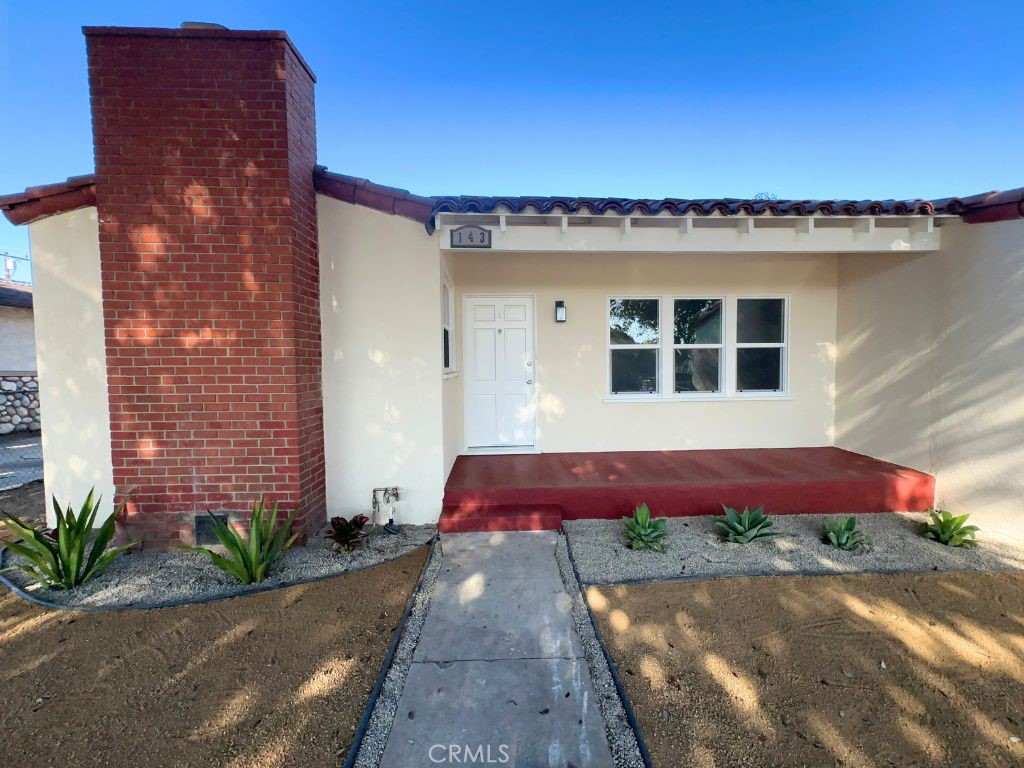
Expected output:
(538, 491)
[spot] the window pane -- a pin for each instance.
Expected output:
(634, 370)
(697, 370)
(758, 369)
(634, 321)
(698, 321)
(446, 348)
(759, 320)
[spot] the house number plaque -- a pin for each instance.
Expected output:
(470, 236)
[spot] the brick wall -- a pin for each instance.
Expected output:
(205, 147)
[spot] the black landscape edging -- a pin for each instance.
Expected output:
(613, 667)
(148, 606)
(785, 574)
(378, 684)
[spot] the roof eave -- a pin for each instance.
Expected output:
(40, 202)
(350, 189)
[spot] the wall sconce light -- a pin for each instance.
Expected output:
(559, 311)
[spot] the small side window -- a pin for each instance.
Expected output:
(447, 324)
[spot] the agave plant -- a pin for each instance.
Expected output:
(347, 533)
(950, 530)
(248, 558)
(70, 554)
(644, 532)
(842, 533)
(743, 527)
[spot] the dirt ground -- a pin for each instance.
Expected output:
(873, 670)
(26, 502)
(274, 679)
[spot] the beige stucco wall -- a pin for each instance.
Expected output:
(380, 306)
(451, 386)
(17, 340)
(931, 363)
(572, 362)
(72, 358)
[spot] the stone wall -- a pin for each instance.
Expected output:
(19, 404)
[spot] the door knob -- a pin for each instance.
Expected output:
(529, 381)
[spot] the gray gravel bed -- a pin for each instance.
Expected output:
(620, 735)
(147, 578)
(694, 549)
(379, 726)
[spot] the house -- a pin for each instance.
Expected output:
(19, 385)
(222, 317)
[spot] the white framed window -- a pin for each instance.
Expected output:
(634, 346)
(697, 347)
(447, 325)
(760, 344)
(698, 333)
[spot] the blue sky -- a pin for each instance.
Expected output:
(680, 99)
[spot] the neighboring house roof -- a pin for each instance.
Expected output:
(39, 202)
(14, 295)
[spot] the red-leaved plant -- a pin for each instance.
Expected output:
(347, 533)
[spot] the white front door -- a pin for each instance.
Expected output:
(499, 371)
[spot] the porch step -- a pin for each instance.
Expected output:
(824, 480)
(468, 517)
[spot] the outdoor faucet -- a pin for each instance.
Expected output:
(389, 495)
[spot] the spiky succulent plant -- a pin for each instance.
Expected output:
(70, 554)
(249, 557)
(746, 526)
(949, 529)
(843, 533)
(645, 532)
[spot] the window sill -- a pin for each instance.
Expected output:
(699, 398)
(449, 374)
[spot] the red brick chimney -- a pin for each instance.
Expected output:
(205, 146)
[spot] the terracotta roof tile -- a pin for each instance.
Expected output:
(351, 189)
(39, 202)
(599, 206)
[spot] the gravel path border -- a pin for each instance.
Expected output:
(149, 580)
(375, 737)
(622, 734)
(695, 550)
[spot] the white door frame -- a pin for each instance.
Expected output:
(497, 449)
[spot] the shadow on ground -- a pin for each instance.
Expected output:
(274, 679)
(868, 670)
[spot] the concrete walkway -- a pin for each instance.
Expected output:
(498, 676)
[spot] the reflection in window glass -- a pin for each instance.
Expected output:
(759, 321)
(633, 321)
(697, 370)
(634, 371)
(698, 321)
(759, 369)
(447, 325)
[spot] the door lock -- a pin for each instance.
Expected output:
(529, 381)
